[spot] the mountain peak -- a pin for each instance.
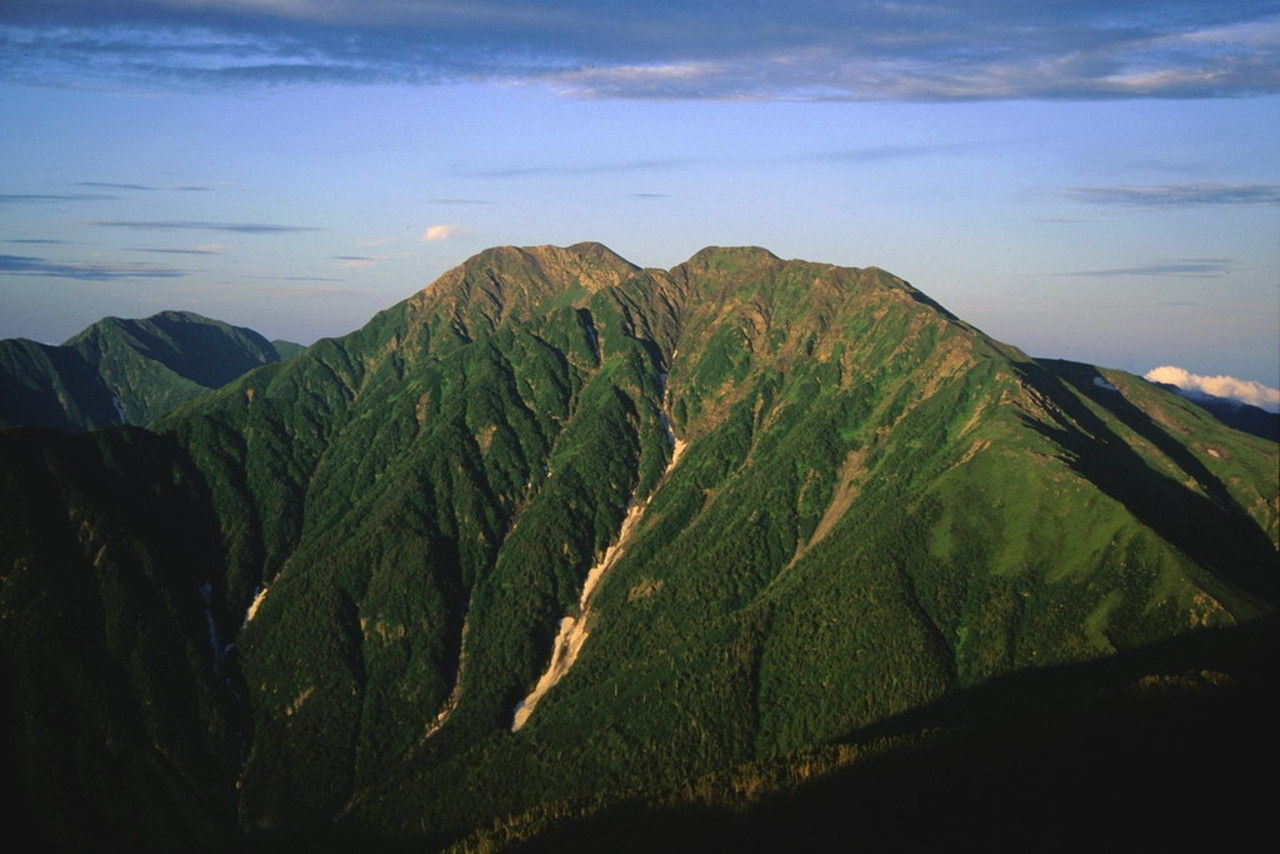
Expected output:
(177, 315)
(125, 370)
(731, 256)
(491, 285)
(597, 265)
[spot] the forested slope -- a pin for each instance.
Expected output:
(875, 508)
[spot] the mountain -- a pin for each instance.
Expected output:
(126, 371)
(1234, 413)
(53, 387)
(559, 531)
(286, 350)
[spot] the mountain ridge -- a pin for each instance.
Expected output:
(877, 507)
(125, 371)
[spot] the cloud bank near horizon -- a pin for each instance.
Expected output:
(865, 50)
(1178, 195)
(1245, 391)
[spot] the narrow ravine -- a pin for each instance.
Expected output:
(455, 694)
(573, 630)
(218, 650)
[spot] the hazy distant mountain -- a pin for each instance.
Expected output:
(286, 350)
(560, 544)
(125, 371)
(1234, 413)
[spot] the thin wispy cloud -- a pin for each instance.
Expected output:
(292, 278)
(20, 198)
(147, 188)
(865, 154)
(1195, 268)
(459, 202)
(318, 292)
(584, 168)
(39, 241)
(805, 49)
(187, 225)
(199, 250)
(24, 265)
(355, 262)
(875, 153)
(649, 195)
(1178, 195)
(107, 185)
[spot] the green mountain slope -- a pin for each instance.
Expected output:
(286, 350)
(51, 387)
(125, 371)
(169, 358)
(558, 527)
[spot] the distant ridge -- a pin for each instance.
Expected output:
(1234, 413)
(121, 371)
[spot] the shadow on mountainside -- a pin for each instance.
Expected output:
(121, 719)
(1210, 528)
(1151, 747)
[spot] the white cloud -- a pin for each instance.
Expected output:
(1245, 391)
(440, 232)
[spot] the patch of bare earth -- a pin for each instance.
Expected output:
(842, 498)
(573, 631)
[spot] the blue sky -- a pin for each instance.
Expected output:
(1087, 180)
